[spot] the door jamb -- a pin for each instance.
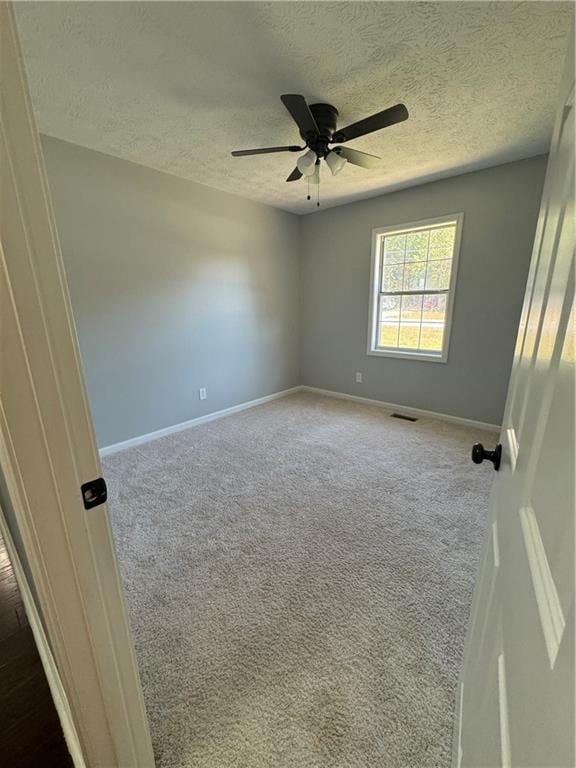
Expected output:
(69, 552)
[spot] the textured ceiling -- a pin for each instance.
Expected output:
(176, 86)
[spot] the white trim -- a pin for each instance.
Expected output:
(549, 607)
(513, 447)
(506, 760)
(459, 753)
(165, 431)
(495, 545)
(53, 678)
(140, 439)
(47, 434)
(409, 410)
(429, 357)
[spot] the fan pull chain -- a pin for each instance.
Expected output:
(308, 180)
(318, 194)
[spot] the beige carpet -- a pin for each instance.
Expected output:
(299, 578)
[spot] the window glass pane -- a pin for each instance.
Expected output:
(392, 275)
(410, 315)
(394, 243)
(388, 335)
(442, 243)
(388, 321)
(413, 263)
(433, 321)
(442, 237)
(393, 257)
(438, 275)
(414, 276)
(417, 246)
(394, 248)
(389, 309)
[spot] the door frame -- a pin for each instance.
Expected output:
(48, 450)
(47, 659)
(508, 438)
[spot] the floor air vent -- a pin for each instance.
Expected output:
(404, 417)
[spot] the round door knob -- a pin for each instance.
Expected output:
(479, 453)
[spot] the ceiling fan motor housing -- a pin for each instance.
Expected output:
(326, 117)
(317, 124)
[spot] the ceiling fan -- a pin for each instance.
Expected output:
(318, 129)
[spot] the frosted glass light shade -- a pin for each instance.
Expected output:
(306, 163)
(335, 162)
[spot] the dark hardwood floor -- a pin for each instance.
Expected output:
(30, 732)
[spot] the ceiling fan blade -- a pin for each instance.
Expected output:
(295, 175)
(375, 122)
(300, 111)
(354, 156)
(265, 151)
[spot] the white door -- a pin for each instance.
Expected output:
(47, 451)
(517, 686)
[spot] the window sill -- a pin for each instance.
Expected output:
(422, 356)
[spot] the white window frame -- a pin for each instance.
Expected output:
(410, 354)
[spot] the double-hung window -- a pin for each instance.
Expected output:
(412, 288)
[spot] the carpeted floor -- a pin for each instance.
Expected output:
(298, 578)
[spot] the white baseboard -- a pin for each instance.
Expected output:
(109, 449)
(409, 411)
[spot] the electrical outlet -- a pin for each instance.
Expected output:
(202, 392)
(358, 377)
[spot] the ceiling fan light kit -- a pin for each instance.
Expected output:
(306, 163)
(317, 124)
(335, 162)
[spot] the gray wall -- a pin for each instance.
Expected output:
(174, 287)
(500, 211)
